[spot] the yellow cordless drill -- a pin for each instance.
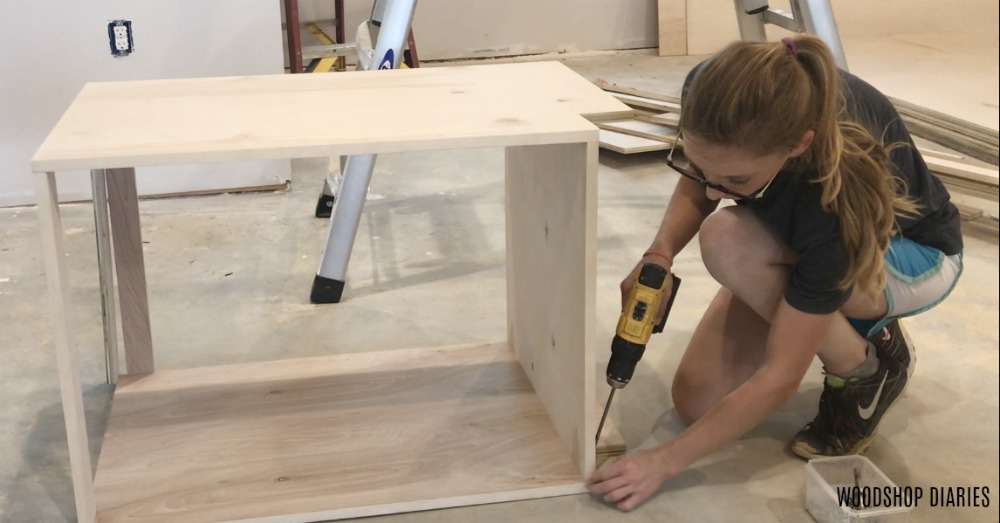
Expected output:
(636, 325)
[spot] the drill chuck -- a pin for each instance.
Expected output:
(625, 355)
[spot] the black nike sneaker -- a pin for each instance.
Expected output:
(893, 340)
(850, 410)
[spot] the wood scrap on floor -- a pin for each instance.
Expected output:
(628, 144)
(615, 88)
(982, 180)
(974, 187)
(642, 129)
(965, 137)
(958, 173)
(653, 126)
(672, 119)
(648, 103)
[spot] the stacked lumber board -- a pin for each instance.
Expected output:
(965, 137)
(955, 171)
(652, 127)
(961, 175)
(975, 188)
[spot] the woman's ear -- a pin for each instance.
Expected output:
(804, 143)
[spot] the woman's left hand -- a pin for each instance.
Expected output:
(632, 478)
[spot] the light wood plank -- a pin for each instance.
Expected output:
(940, 154)
(126, 238)
(974, 140)
(673, 119)
(980, 175)
(624, 89)
(274, 116)
(641, 129)
(648, 103)
(672, 27)
(332, 437)
(628, 144)
(53, 252)
(963, 178)
(551, 209)
(963, 186)
(711, 25)
(968, 213)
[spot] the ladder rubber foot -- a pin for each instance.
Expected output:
(326, 290)
(324, 206)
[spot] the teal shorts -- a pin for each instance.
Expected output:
(917, 278)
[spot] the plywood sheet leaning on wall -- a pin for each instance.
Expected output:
(672, 27)
(711, 25)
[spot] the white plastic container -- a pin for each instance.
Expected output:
(827, 500)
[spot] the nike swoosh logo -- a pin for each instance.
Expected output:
(867, 412)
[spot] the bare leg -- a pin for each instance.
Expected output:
(752, 264)
(726, 349)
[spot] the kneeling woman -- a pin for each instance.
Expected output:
(838, 231)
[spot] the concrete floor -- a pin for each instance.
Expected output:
(229, 278)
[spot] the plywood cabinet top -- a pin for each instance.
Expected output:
(163, 122)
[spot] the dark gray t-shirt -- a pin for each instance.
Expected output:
(791, 206)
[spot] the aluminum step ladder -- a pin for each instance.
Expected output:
(808, 16)
(381, 42)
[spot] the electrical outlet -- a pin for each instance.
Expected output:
(120, 37)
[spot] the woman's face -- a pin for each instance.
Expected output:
(734, 169)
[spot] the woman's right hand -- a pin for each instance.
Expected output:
(650, 257)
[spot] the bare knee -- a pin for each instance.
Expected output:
(725, 243)
(691, 398)
(735, 242)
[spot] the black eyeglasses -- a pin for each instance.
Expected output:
(687, 172)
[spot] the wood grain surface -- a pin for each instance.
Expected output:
(672, 27)
(53, 252)
(628, 144)
(126, 238)
(551, 211)
(642, 129)
(360, 435)
(167, 122)
(328, 438)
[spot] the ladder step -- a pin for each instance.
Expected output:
(328, 51)
(304, 23)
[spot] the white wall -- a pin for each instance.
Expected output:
(455, 29)
(50, 48)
